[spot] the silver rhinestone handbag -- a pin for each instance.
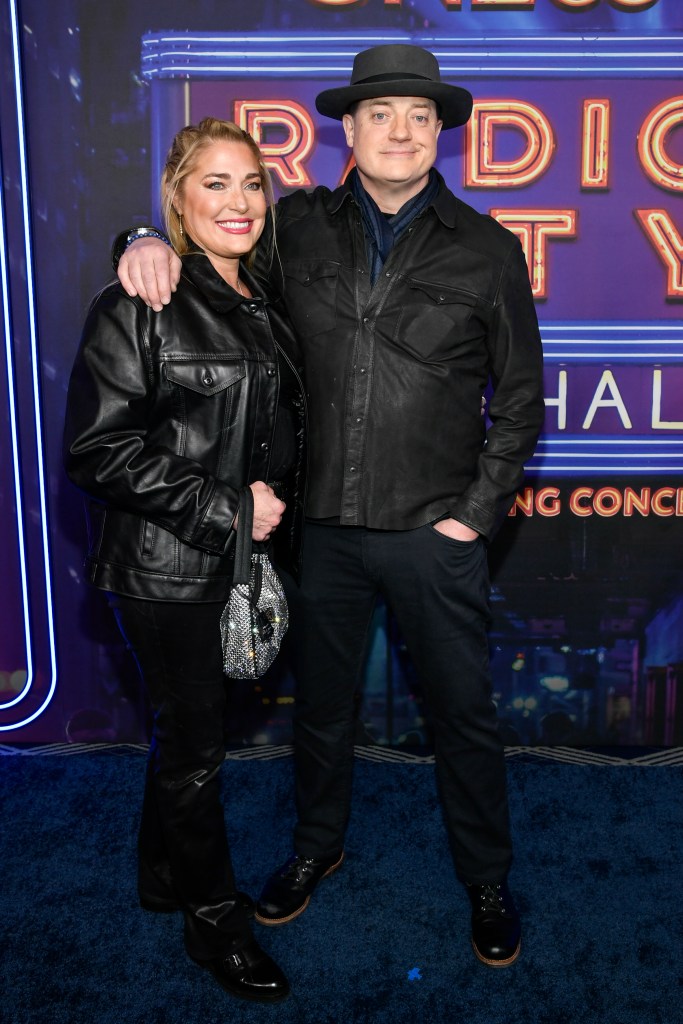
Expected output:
(255, 619)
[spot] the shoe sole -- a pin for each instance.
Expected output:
(273, 921)
(497, 963)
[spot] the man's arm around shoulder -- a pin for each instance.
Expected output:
(147, 267)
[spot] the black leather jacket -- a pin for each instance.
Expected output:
(168, 415)
(395, 373)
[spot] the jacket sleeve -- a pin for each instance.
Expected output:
(113, 446)
(516, 409)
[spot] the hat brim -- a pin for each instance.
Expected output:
(454, 103)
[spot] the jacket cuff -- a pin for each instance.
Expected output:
(215, 529)
(483, 520)
(130, 235)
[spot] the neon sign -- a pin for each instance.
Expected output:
(629, 6)
(483, 169)
(41, 665)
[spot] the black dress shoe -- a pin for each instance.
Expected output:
(288, 892)
(166, 902)
(495, 924)
(248, 972)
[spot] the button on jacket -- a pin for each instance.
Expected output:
(168, 415)
(395, 373)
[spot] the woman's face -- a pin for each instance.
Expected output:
(222, 203)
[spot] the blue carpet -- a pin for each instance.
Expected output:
(386, 940)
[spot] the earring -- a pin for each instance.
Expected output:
(180, 225)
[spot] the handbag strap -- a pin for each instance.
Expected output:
(245, 524)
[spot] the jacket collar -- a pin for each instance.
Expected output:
(217, 292)
(445, 204)
(334, 200)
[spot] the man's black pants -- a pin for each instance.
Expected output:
(438, 589)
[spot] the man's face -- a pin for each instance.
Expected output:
(394, 143)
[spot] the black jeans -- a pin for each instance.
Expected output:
(182, 845)
(438, 589)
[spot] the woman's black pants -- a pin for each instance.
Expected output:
(182, 848)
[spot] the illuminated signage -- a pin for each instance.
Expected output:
(563, 151)
(500, 6)
(36, 686)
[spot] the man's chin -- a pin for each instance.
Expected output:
(398, 169)
(405, 180)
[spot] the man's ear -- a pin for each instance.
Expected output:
(347, 122)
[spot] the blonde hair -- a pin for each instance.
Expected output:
(182, 159)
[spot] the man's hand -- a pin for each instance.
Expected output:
(455, 530)
(150, 268)
(268, 510)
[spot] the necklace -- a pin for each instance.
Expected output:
(239, 288)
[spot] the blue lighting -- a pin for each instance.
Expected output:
(7, 328)
(617, 342)
(18, 86)
(180, 55)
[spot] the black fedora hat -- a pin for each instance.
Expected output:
(397, 69)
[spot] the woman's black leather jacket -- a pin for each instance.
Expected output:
(168, 415)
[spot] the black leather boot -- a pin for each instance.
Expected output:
(496, 929)
(288, 892)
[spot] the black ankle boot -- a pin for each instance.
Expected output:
(495, 924)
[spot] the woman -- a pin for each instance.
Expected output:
(168, 415)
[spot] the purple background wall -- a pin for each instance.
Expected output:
(588, 630)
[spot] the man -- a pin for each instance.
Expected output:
(407, 303)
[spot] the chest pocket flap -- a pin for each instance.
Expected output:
(442, 295)
(311, 273)
(204, 376)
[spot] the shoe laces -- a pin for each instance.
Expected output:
(491, 898)
(298, 868)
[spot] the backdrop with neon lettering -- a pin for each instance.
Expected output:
(575, 144)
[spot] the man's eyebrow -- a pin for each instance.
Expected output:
(422, 104)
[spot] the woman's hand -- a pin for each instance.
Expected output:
(150, 268)
(268, 510)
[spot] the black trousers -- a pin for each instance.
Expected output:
(438, 589)
(182, 844)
